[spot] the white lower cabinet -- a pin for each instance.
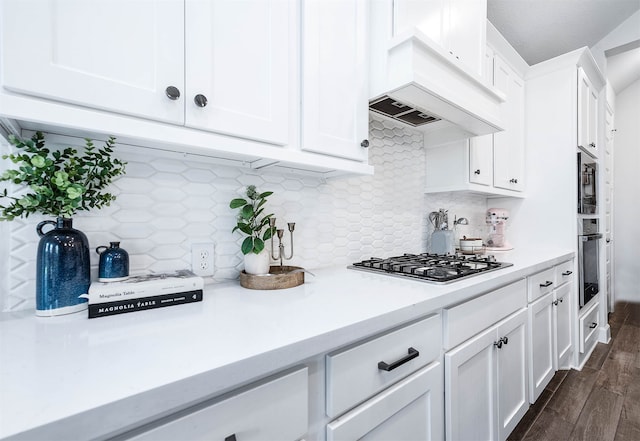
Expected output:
(486, 382)
(390, 386)
(274, 410)
(587, 326)
(410, 410)
(550, 294)
(541, 345)
(563, 307)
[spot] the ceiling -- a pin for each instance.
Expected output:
(543, 29)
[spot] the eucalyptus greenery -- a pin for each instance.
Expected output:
(250, 221)
(61, 182)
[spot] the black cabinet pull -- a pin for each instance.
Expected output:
(567, 273)
(593, 325)
(546, 284)
(231, 437)
(505, 340)
(411, 354)
(498, 343)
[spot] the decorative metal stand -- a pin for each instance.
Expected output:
(281, 254)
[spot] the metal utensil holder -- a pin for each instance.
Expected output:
(281, 254)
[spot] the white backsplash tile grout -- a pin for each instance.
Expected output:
(163, 206)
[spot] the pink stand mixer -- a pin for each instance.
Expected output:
(496, 218)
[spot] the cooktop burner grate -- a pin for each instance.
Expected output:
(431, 267)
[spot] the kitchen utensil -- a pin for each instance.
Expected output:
(439, 219)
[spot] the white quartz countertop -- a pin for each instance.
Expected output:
(69, 376)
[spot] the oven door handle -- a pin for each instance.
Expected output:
(588, 237)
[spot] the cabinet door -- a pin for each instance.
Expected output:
(562, 326)
(481, 160)
(424, 15)
(466, 33)
(593, 119)
(584, 92)
(513, 400)
(508, 145)
(115, 55)
(237, 67)
(470, 371)
(541, 345)
(335, 116)
(410, 410)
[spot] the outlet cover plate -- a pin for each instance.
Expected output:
(202, 259)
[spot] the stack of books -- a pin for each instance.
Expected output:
(144, 292)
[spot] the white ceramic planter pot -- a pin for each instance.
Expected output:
(257, 263)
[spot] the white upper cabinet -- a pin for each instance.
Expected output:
(120, 56)
(458, 26)
(237, 67)
(254, 83)
(489, 164)
(466, 33)
(481, 160)
(508, 146)
(587, 113)
(335, 115)
(168, 60)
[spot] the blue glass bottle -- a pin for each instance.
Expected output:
(114, 263)
(62, 269)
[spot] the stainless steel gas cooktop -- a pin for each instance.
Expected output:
(432, 268)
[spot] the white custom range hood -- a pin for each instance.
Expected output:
(416, 82)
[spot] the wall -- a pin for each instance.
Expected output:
(628, 31)
(163, 206)
(626, 147)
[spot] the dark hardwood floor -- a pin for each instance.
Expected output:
(601, 402)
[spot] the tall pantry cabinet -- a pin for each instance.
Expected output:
(560, 111)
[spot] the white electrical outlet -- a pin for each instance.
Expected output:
(202, 259)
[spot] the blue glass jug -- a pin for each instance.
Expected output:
(114, 263)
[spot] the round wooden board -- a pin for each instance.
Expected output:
(279, 277)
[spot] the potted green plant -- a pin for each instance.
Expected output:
(59, 183)
(252, 222)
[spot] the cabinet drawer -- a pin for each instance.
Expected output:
(564, 273)
(277, 409)
(414, 405)
(470, 318)
(540, 284)
(588, 328)
(355, 374)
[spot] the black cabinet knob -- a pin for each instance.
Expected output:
(477, 172)
(200, 100)
(173, 93)
(498, 344)
(364, 143)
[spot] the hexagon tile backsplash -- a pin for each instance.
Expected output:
(165, 205)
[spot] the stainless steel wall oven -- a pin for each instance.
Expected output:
(588, 259)
(587, 184)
